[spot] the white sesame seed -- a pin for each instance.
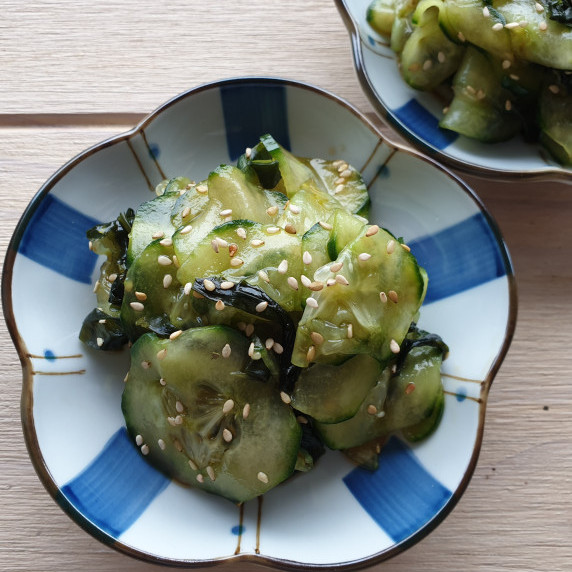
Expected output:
(227, 285)
(145, 449)
(383, 297)
(102, 321)
(350, 331)
(539, 7)
(316, 286)
(337, 163)
(312, 302)
(209, 285)
(364, 256)
(306, 257)
(222, 243)
(112, 278)
(273, 229)
(139, 440)
(486, 12)
(310, 356)
(227, 435)
(211, 473)
(99, 342)
(470, 90)
(137, 306)
(161, 354)
(262, 477)
(305, 281)
(261, 306)
(374, 229)
(162, 382)
(523, 23)
(256, 242)
(171, 421)
(481, 94)
(202, 189)
(166, 242)
(508, 105)
(228, 406)
(294, 209)
(511, 25)
(340, 181)
(441, 57)
(341, 279)
(394, 346)
(496, 27)
(292, 282)
(339, 189)
(506, 64)
(188, 288)
(392, 295)
(405, 247)
(542, 26)
(167, 280)
(164, 260)
(90, 245)
(390, 246)
(161, 444)
(330, 281)
(251, 349)
(226, 351)
(175, 335)
(271, 211)
(193, 465)
(236, 262)
(179, 407)
(96, 286)
(283, 267)
(246, 410)
(554, 89)
(219, 305)
(200, 478)
(186, 229)
(427, 65)
(269, 343)
(514, 77)
(226, 212)
(317, 338)
(158, 234)
(285, 398)
(336, 267)
(178, 420)
(461, 36)
(241, 232)
(214, 245)
(186, 212)
(248, 152)
(342, 167)
(249, 330)
(277, 348)
(325, 225)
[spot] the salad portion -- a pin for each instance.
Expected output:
(503, 67)
(266, 320)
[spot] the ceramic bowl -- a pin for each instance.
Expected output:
(416, 114)
(337, 516)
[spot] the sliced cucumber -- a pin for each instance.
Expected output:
(346, 227)
(380, 16)
(202, 420)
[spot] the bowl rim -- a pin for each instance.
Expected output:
(550, 172)
(26, 404)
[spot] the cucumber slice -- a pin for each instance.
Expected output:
(333, 393)
(346, 227)
(380, 16)
(184, 405)
(315, 242)
(190, 203)
(349, 314)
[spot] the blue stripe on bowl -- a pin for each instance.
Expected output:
(114, 490)
(400, 496)
(459, 257)
(55, 238)
(424, 124)
(251, 111)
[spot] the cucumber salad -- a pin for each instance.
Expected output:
(266, 320)
(503, 67)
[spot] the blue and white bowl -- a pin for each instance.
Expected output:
(337, 516)
(416, 114)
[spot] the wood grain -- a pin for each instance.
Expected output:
(75, 73)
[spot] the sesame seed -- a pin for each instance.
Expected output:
(166, 242)
(193, 465)
(271, 211)
(405, 247)
(506, 64)
(445, 110)
(249, 330)
(221, 242)
(145, 449)
(219, 305)
(161, 354)
(285, 397)
(340, 181)
(496, 27)
(295, 209)
(325, 225)
(137, 306)
(290, 228)
(292, 282)
(394, 346)
(512, 25)
(96, 286)
(186, 212)
(481, 94)
(554, 89)
(461, 37)
(269, 343)
(211, 473)
(227, 285)
(141, 296)
(523, 23)
(176, 261)
(371, 409)
(277, 348)
(139, 440)
(251, 349)
(283, 267)
(226, 212)
(99, 342)
(441, 57)
(542, 26)
(179, 407)
(342, 167)
(383, 297)
(186, 229)
(427, 65)
(341, 279)
(246, 410)
(188, 288)
(248, 152)
(508, 105)
(390, 246)
(90, 245)
(409, 388)
(261, 306)
(227, 435)
(226, 351)
(316, 286)
(236, 262)
(306, 257)
(273, 229)
(330, 281)
(262, 477)
(178, 420)
(337, 163)
(158, 234)
(228, 406)
(471, 90)
(392, 295)
(164, 260)
(312, 302)
(162, 382)
(311, 354)
(364, 256)
(112, 278)
(214, 244)
(256, 242)
(317, 338)
(200, 478)
(374, 229)
(103, 321)
(175, 335)
(232, 249)
(305, 281)
(336, 267)
(161, 444)
(302, 420)
(202, 189)
(256, 356)
(514, 77)
(209, 285)
(346, 173)
(350, 331)
(486, 12)
(539, 7)
(241, 233)
(167, 280)
(338, 189)
(171, 421)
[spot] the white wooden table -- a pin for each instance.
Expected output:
(73, 73)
